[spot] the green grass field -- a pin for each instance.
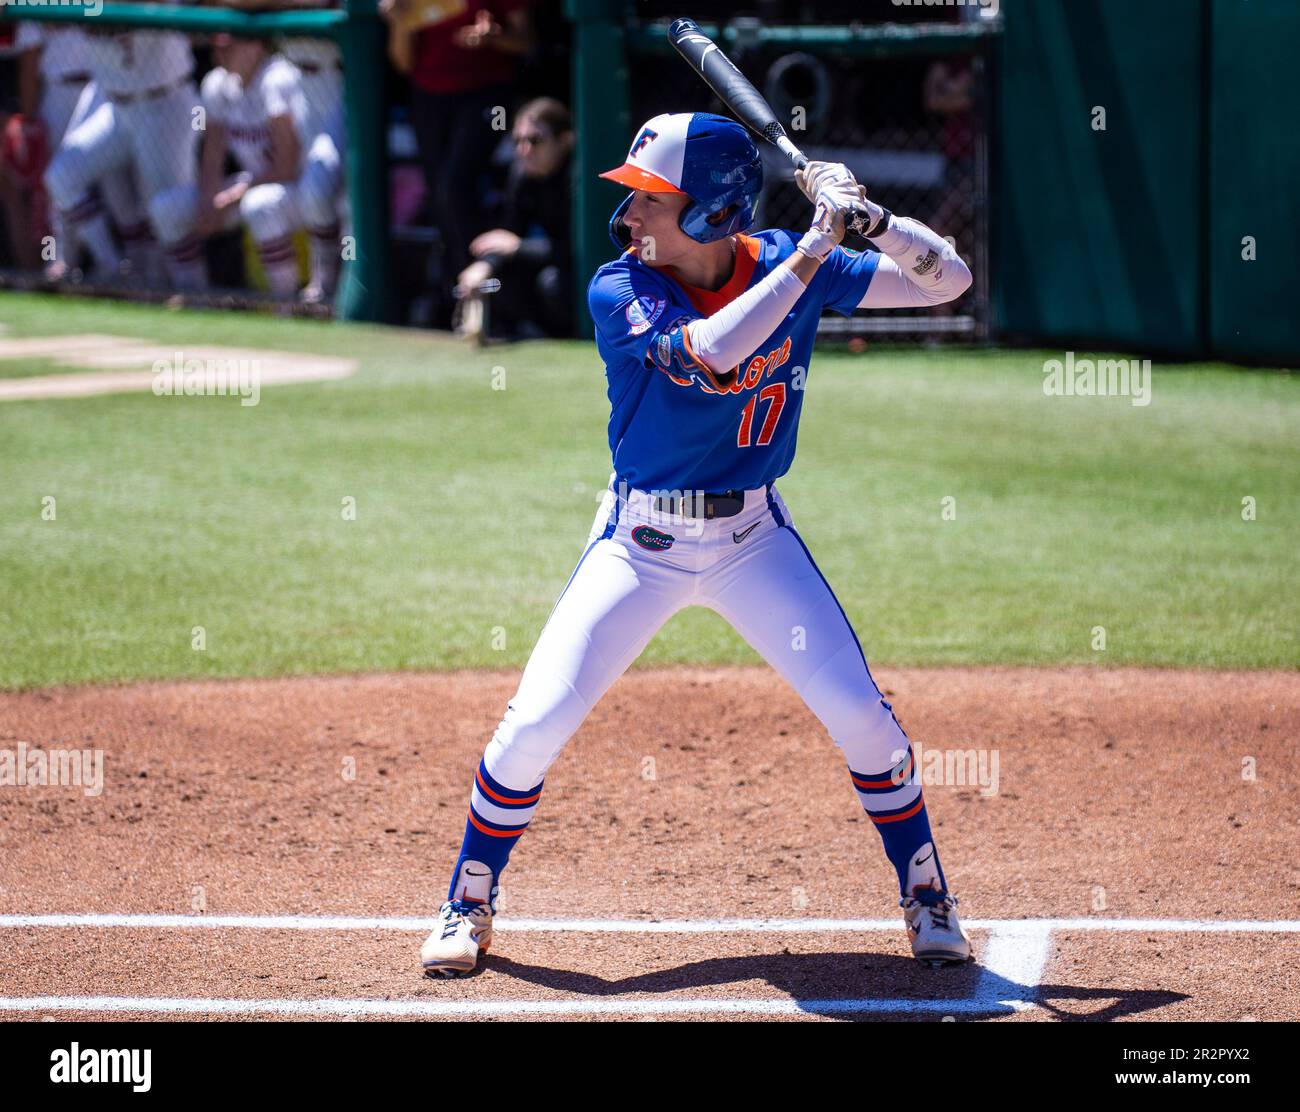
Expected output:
(472, 504)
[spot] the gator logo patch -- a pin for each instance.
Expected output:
(652, 539)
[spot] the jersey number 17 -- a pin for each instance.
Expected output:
(774, 395)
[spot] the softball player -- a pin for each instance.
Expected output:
(255, 111)
(322, 203)
(65, 60)
(707, 334)
(138, 138)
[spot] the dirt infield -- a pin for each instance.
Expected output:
(1127, 851)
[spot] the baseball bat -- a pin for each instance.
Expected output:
(747, 104)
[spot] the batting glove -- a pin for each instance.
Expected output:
(816, 176)
(834, 202)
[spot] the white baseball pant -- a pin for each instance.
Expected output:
(752, 569)
(270, 211)
(133, 151)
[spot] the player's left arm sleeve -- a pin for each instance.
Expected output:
(916, 270)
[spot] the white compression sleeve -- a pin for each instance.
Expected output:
(734, 332)
(919, 269)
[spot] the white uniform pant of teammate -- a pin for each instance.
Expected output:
(150, 143)
(753, 570)
(59, 101)
(322, 206)
(64, 108)
(270, 210)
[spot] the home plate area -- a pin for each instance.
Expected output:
(229, 868)
(267, 967)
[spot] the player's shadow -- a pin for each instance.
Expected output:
(828, 984)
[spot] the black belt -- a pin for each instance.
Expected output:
(699, 504)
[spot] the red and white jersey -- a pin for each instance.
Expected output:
(246, 113)
(129, 62)
(64, 50)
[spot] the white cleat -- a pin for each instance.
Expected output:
(463, 932)
(936, 933)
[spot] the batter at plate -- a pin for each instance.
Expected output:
(706, 330)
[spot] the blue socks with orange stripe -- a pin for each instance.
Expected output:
(497, 817)
(896, 807)
(892, 799)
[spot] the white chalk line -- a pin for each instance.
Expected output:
(466, 1008)
(626, 926)
(1012, 962)
(1010, 970)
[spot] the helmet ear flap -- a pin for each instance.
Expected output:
(618, 231)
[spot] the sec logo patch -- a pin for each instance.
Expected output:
(643, 312)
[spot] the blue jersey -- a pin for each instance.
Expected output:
(669, 433)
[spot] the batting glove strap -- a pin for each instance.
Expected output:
(817, 244)
(881, 226)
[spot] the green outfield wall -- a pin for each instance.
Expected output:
(1140, 143)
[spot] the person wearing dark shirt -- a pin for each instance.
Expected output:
(463, 67)
(530, 254)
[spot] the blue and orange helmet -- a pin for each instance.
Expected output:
(709, 158)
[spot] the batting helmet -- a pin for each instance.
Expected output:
(709, 158)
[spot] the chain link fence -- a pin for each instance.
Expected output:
(914, 130)
(156, 162)
(149, 162)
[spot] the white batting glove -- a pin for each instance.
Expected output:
(816, 176)
(834, 202)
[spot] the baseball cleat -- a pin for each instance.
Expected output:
(937, 935)
(463, 932)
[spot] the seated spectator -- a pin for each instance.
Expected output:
(530, 254)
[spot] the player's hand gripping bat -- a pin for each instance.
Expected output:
(747, 104)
